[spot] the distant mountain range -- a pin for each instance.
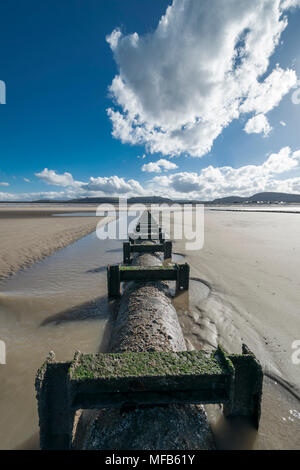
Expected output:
(266, 198)
(114, 200)
(259, 198)
(256, 198)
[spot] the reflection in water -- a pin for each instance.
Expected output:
(97, 308)
(276, 430)
(234, 433)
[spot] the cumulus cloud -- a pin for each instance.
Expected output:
(258, 124)
(214, 182)
(263, 97)
(286, 4)
(53, 178)
(32, 196)
(112, 185)
(277, 173)
(95, 186)
(202, 67)
(157, 167)
(3, 183)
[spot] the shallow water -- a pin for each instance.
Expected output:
(58, 304)
(76, 214)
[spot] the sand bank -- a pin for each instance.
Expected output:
(251, 263)
(28, 235)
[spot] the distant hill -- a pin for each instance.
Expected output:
(260, 197)
(229, 200)
(149, 200)
(96, 200)
(115, 200)
(266, 198)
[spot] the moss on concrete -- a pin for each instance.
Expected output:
(147, 364)
(148, 268)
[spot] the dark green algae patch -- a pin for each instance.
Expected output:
(147, 268)
(145, 364)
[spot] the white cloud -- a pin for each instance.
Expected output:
(286, 4)
(274, 174)
(112, 185)
(266, 95)
(4, 183)
(181, 85)
(142, 157)
(214, 182)
(53, 178)
(283, 123)
(95, 186)
(258, 124)
(32, 196)
(156, 167)
(27, 180)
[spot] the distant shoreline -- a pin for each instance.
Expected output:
(272, 211)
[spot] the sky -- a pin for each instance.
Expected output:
(189, 99)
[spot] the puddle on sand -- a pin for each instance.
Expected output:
(58, 304)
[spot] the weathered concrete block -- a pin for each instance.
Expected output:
(143, 378)
(248, 386)
(172, 272)
(56, 416)
(146, 247)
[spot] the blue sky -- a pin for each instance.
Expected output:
(59, 58)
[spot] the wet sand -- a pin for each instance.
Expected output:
(251, 264)
(29, 234)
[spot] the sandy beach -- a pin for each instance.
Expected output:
(251, 262)
(31, 233)
(244, 288)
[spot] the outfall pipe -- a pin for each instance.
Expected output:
(147, 321)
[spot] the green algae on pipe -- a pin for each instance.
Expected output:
(148, 364)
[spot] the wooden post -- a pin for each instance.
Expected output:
(149, 226)
(126, 253)
(167, 250)
(113, 281)
(183, 275)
